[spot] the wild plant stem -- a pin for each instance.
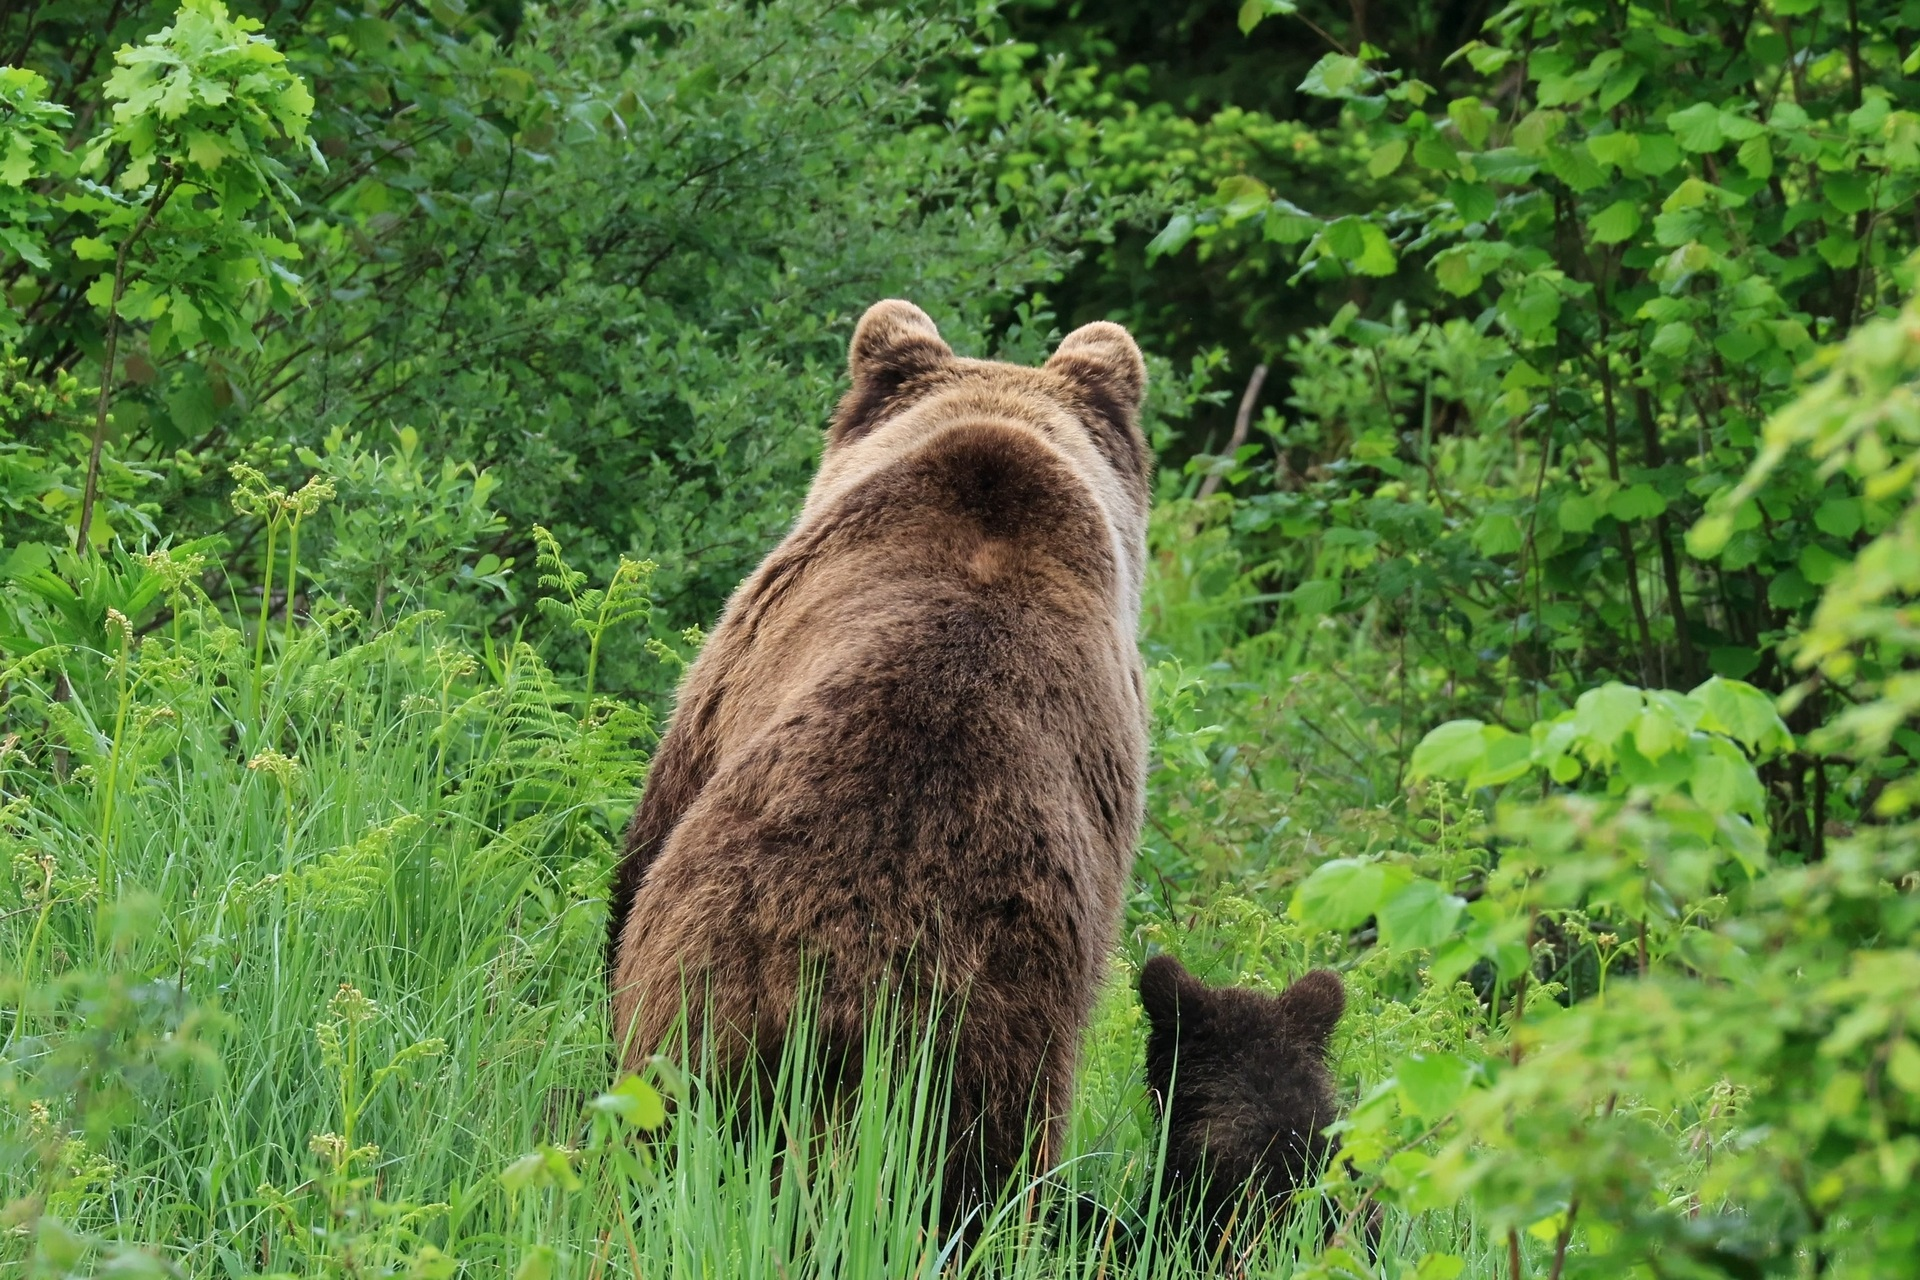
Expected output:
(91, 491)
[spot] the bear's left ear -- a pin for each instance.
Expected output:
(894, 343)
(1314, 1003)
(1166, 991)
(1104, 361)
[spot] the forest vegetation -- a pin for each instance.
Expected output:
(391, 391)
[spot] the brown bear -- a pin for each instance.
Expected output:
(1241, 1080)
(910, 757)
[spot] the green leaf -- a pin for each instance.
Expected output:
(1387, 157)
(1341, 894)
(1241, 196)
(1617, 222)
(1471, 117)
(634, 1101)
(1421, 914)
(1637, 502)
(1819, 565)
(1172, 238)
(1672, 340)
(1756, 157)
(1743, 713)
(1334, 76)
(1602, 715)
(1434, 152)
(1254, 10)
(1377, 256)
(1440, 1266)
(1509, 755)
(1473, 201)
(538, 1264)
(1498, 535)
(1698, 128)
(1432, 1083)
(1619, 148)
(1790, 589)
(1531, 306)
(1451, 751)
(1578, 512)
(1839, 517)
(1733, 661)
(1454, 271)
(1315, 597)
(1659, 153)
(1847, 192)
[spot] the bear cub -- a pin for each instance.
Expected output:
(1241, 1080)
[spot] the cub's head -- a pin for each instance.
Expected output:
(908, 385)
(1241, 1078)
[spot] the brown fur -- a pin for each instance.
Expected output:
(1241, 1078)
(912, 751)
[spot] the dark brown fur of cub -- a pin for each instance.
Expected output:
(911, 753)
(1241, 1079)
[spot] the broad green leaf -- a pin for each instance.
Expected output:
(1254, 10)
(1387, 157)
(1473, 201)
(1655, 733)
(1618, 148)
(1432, 1083)
(1578, 512)
(1241, 196)
(1440, 1266)
(1498, 535)
(1509, 755)
(1453, 269)
(1421, 914)
(538, 1264)
(1698, 127)
(1341, 894)
(1659, 153)
(1471, 117)
(1602, 715)
(1819, 565)
(1846, 192)
(1838, 516)
(1617, 222)
(1672, 340)
(1451, 751)
(1376, 256)
(634, 1101)
(1334, 76)
(1172, 238)
(1636, 502)
(1743, 713)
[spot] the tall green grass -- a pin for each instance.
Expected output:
(302, 975)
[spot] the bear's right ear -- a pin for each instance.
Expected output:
(1314, 1003)
(894, 343)
(1166, 990)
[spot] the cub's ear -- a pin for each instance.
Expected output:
(1314, 1003)
(894, 342)
(1167, 990)
(1104, 360)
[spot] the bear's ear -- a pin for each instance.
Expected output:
(894, 342)
(1314, 1003)
(1104, 361)
(1167, 991)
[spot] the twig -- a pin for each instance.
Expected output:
(1242, 421)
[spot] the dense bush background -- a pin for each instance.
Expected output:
(390, 392)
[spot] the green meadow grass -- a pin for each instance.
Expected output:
(302, 975)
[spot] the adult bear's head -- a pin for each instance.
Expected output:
(908, 387)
